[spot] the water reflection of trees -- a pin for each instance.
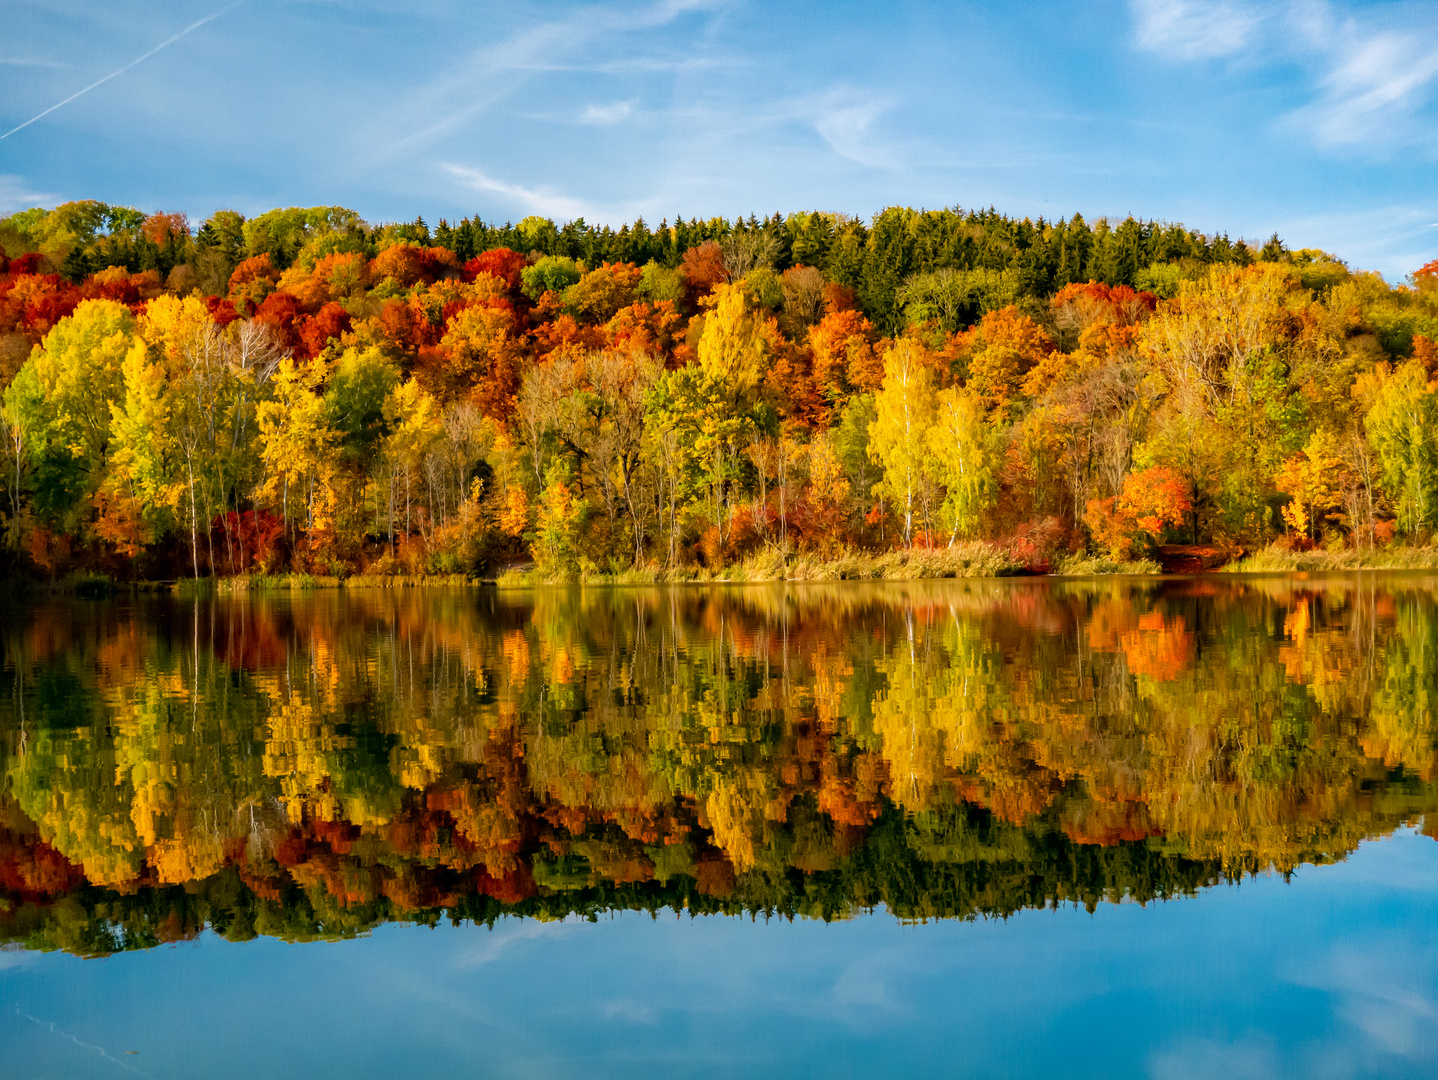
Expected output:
(311, 766)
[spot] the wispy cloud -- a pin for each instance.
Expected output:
(1371, 70)
(590, 39)
(16, 194)
(1194, 29)
(1377, 82)
(607, 115)
(1383, 990)
(1198, 1059)
(501, 940)
(60, 1033)
(541, 201)
(632, 1012)
(1393, 240)
(845, 119)
(120, 71)
(14, 958)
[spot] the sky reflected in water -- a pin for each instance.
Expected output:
(1334, 974)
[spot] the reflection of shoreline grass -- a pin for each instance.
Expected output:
(1276, 558)
(1098, 566)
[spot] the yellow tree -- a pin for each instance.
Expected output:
(1401, 421)
(828, 495)
(735, 343)
(899, 436)
(144, 452)
(1313, 479)
(964, 447)
(172, 427)
(61, 398)
(1226, 354)
(415, 428)
(297, 445)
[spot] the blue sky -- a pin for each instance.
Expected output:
(1317, 120)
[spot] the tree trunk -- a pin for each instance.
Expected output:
(194, 522)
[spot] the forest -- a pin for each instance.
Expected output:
(301, 392)
(313, 764)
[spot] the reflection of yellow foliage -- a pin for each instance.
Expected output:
(735, 811)
(297, 746)
(562, 670)
(603, 727)
(193, 858)
(516, 655)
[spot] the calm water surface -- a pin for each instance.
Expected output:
(1125, 829)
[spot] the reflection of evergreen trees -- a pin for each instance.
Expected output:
(313, 767)
(954, 863)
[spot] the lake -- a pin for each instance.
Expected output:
(1169, 828)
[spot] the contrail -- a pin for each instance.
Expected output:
(168, 41)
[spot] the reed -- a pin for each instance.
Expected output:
(1277, 558)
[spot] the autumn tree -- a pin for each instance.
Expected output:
(964, 448)
(1401, 422)
(899, 439)
(61, 398)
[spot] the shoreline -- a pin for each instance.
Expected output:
(973, 560)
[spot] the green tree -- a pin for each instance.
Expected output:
(553, 273)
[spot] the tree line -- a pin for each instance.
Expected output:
(303, 391)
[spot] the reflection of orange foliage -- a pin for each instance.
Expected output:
(1160, 648)
(561, 667)
(998, 715)
(1108, 623)
(511, 888)
(31, 869)
(1296, 623)
(416, 889)
(515, 648)
(715, 875)
(1109, 823)
(1012, 790)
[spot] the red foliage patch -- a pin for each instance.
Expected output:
(26, 264)
(501, 262)
(222, 312)
(246, 541)
(281, 310)
(315, 332)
